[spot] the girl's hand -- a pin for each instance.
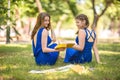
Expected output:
(101, 62)
(54, 39)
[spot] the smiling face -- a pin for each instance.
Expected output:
(43, 20)
(80, 23)
(46, 21)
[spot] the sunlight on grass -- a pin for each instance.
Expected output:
(15, 45)
(3, 67)
(108, 52)
(8, 66)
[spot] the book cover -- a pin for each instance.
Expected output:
(63, 45)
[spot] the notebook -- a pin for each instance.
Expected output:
(63, 45)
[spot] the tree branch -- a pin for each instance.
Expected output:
(39, 5)
(103, 11)
(106, 6)
(93, 6)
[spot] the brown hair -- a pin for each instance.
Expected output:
(83, 17)
(40, 19)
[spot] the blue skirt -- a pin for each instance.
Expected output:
(76, 56)
(47, 58)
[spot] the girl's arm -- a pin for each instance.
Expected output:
(96, 51)
(81, 37)
(44, 42)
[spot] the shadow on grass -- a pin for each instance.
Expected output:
(13, 48)
(110, 47)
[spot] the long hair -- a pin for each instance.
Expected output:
(83, 17)
(40, 20)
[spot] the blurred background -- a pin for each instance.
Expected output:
(18, 17)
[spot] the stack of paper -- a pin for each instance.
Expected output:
(77, 68)
(59, 69)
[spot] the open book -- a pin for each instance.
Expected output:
(63, 45)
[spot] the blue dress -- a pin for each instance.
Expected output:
(76, 56)
(42, 58)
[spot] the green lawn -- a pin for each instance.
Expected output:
(16, 60)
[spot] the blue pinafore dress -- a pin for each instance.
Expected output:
(42, 58)
(75, 56)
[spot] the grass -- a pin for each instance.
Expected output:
(16, 60)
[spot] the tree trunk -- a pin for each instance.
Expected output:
(8, 25)
(39, 5)
(96, 15)
(72, 7)
(58, 26)
(95, 21)
(7, 34)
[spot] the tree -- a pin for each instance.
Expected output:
(105, 5)
(10, 20)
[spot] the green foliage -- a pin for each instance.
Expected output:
(3, 13)
(11, 19)
(56, 8)
(26, 8)
(16, 60)
(73, 8)
(114, 10)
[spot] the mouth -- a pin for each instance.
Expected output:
(46, 25)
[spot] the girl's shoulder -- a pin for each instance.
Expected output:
(41, 30)
(81, 32)
(45, 31)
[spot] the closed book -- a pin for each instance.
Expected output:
(63, 45)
